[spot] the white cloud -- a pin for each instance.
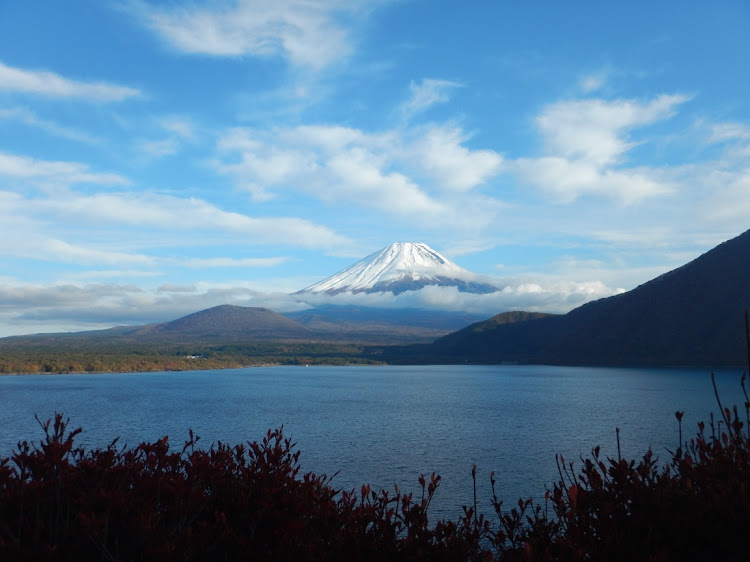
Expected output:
(721, 186)
(262, 165)
(730, 196)
(569, 179)
(735, 141)
(362, 179)
(332, 139)
(309, 34)
(164, 212)
(23, 295)
(30, 238)
(61, 251)
(49, 84)
(427, 93)
(721, 132)
(595, 130)
(59, 307)
(586, 144)
(401, 173)
(60, 173)
(29, 308)
(558, 296)
(441, 154)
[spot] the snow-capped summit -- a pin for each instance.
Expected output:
(400, 267)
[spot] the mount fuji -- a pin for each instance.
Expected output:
(401, 267)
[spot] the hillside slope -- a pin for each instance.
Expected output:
(692, 315)
(230, 322)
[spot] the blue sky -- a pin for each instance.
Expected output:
(158, 158)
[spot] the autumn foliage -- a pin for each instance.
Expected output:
(250, 502)
(60, 502)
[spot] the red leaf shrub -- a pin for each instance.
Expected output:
(60, 502)
(250, 502)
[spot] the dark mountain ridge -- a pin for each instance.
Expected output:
(692, 315)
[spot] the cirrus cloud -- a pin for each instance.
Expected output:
(308, 34)
(425, 94)
(50, 84)
(57, 172)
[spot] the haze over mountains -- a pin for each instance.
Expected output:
(692, 315)
(326, 324)
(399, 268)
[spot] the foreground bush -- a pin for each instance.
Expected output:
(696, 507)
(60, 502)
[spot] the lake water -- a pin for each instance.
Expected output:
(386, 425)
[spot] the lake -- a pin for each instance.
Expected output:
(386, 425)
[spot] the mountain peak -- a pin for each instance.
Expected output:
(402, 266)
(226, 321)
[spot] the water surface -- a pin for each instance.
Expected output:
(386, 425)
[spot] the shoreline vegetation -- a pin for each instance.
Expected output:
(50, 356)
(59, 501)
(60, 357)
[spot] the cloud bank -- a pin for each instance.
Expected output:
(78, 307)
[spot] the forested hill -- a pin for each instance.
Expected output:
(693, 315)
(230, 322)
(230, 336)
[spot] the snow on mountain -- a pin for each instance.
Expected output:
(400, 267)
